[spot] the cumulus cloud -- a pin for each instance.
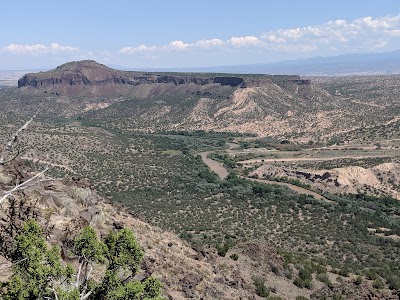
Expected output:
(366, 34)
(179, 45)
(38, 48)
(245, 41)
(209, 43)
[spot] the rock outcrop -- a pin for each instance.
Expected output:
(381, 179)
(92, 74)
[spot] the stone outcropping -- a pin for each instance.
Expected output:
(92, 74)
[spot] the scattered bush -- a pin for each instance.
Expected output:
(261, 289)
(234, 256)
(323, 277)
(304, 279)
(378, 284)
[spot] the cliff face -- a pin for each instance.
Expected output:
(259, 104)
(72, 78)
(93, 74)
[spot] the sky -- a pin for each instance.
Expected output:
(183, 33)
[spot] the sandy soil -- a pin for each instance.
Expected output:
(218, 168)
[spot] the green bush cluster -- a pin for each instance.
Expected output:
(39, 273)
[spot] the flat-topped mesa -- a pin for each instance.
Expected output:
(88, 77)
(94, 74)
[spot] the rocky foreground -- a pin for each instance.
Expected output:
(64, 207)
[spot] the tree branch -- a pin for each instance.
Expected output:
(83, 297)
(55, 293)
(14, 138)
(22, 186)
(78, 275)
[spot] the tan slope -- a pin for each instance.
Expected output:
(379, 180)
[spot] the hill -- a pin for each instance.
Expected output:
(63, 208)
(284, 106)
(143, 147)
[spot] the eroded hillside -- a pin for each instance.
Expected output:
(63, 208)
(140, 147)
(264, 105)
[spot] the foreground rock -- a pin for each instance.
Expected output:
(64, 208)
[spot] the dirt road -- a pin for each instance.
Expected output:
(218, 168)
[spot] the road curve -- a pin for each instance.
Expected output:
(221, 171)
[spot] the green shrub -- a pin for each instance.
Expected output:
(39, 270)
(261, 289)
(378, 284)
(344, 272)
(222, 249)
(393, 283)
(323, 277)
(304, 279)
(234, 256)
(358, 280)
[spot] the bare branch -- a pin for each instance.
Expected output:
(55, 293)
(22, 186)
(11, 159)
(79, 274)
(10, 266)
(14, 138)
(83, 297)
(85, 282)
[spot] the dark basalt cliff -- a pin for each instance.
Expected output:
(92, 74)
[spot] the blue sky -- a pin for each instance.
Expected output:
(184, 33)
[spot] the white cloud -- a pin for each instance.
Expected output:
(363, 34)
(274, 39)
(38, 48)
(138, 49)
(382, 23)
(245, 41)
(179, 45)
(173, 46)
(209, 43)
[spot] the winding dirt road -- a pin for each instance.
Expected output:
(222, 172)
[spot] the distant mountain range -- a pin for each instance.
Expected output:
(348, 64)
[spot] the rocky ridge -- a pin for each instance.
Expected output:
(186, 273)
(91, 74)
(264, 105)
